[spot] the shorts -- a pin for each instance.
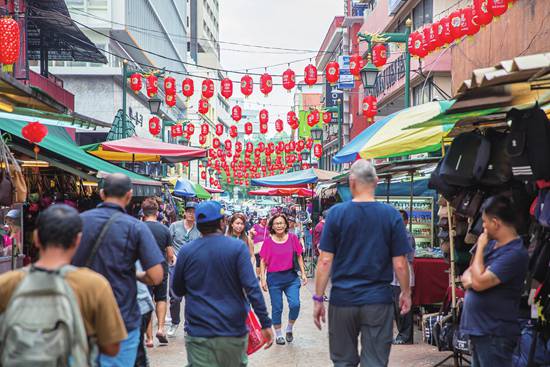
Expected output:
(160, 292)
(258, 260)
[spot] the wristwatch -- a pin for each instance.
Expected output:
(319, 299)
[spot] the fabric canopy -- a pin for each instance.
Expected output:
(390, 136)
(201, 192)
(184, 188)
(295, 179)
(300, 191)
(213, 190)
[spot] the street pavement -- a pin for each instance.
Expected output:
(310, 346)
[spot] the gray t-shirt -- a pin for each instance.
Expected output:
(180, 235)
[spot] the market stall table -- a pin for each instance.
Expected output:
(431, 281)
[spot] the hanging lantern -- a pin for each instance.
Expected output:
(154, 125)
(310, 75)
(248, 128)
(219, 129)
(497, 7)
(233, 131)
(9, 41)
(190, 129)
(203, 175)
(261, 146)
(238, 147)
(428, 39)
(207, 88)
(327, 117)
(187, 87)
(227, 145)
(370, 108)
(264, 116)
(379, 55)
(170, 100)
(216, 143)
(266, 84)
(205, 129)
(135, 82)
(169, 85)
(332, 72)
(202, 139)
(355, 65)
(203, 106)
(176, 130)
(292, 145)
(455, 24)
(226, 88)
(300, 145)
(279, 125)
(481, 12)
(309, 143)
(311, 121)
(318, 150)
(249, 147)
(236, 113)
(289, 80)
(34, 132)
(263, 128)
(291, 119)
(247, 85)
(445, 31)
(467, 24)
(151, 83)
(417, 41)
(316, 115)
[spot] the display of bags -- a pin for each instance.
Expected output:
(438, 183)
(467, 159)
(468, 202)
(499, 170)
(542, 208)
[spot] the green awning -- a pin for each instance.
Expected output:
(451, 119)
(60, 142)
(53, 119)
(201, 192)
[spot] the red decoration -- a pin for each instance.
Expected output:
(482, 14)
(446, 32)
(238, 147)
(248, 128)
(355, 65)
(310, 75)
(227, 145)
(428, 39)
(455, 23)
(203, 106)
(379, 55)
(327, 117)
(226, 88)
(264, 116)
(170, 100)
(187, 87)
(249, 147)
(169, 85)
(216, 143)
(219, 129)
(176, 130)
(154, 125)
(418, 45)
(318, 150)
(289, 80)
(247, 85)
(202, 139)
(266, 84)
(263, 128)
(203, 175)
(135, 82)
(300, 145)
(34, 132)
(207, 88)
(292, 120)
(332, 72)
(279, 125)
(467, 22)
(236, 113)
(190, 129)
(309, 143)
(369, 106)
(205, 129)
(9, 41)
(497, 7)
(233, 131)
(152, 85)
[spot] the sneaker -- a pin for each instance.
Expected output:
(280, 341)
(289, 337)
(172, 331)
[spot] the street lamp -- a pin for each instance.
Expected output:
(317, 134)
(305, 155)
(154, 105)
(368, 75)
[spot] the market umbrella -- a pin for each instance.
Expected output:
(184, 188)
(286, 191)
(390, 136)
(201, 192)
(295, 179)
(213, 190)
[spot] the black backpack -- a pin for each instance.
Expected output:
(528, 144)
(499, 170)
(438, 184)
(467, 159)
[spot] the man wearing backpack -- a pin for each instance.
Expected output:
(112, 241)
(80, 305)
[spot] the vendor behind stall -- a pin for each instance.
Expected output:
(13, 234)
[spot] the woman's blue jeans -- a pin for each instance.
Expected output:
(292, 292)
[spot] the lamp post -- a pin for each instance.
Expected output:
(317, 134)
(369, 72)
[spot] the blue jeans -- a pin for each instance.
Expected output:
(127, 354)
(175, 301)
(492, 351)
(292, 291)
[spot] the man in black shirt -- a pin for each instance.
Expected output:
(163, 238)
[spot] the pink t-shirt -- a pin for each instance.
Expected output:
(278, 256)
(262, 233)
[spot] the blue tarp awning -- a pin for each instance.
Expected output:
(396, 189)
(184, 188)
(295, 179)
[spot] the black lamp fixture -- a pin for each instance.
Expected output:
(369, 73)
(316, 134)
(154, 105)
(305, 155)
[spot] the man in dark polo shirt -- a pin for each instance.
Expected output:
(494, 284)
(125, 241)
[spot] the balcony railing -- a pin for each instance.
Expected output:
(52, 86)
(393, 73)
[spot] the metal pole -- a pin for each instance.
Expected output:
(340, 123)
(198, 171)
(411, 203)
(388, 183)
(124, 82)
(407, 67)
(321, 158)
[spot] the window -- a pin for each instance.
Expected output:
(423, 96)
(423, 13)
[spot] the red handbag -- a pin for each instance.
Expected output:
(255, 337)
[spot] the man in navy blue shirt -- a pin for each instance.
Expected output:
(494, 284)
(125, 241)
(214, 275)
(361, 241)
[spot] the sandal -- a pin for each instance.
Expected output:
(149, 344)
(162, 338)
(280, 341)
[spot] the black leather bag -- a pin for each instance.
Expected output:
(499, 170)
(467, 159)
(439, 184)
(468, 203)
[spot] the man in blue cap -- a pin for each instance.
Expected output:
(211, 273)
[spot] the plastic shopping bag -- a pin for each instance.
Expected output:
(255, 338)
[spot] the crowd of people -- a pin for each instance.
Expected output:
(115, 272)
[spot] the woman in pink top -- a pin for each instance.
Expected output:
(259, 233)
(277, 256)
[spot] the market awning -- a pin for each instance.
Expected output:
(299, 191)
(187, 189)
(52, 119)
(295, 179)
(201, 192)
(390, 136)
(213, 190)
(59, 142)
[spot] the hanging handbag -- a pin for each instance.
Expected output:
(6, 188)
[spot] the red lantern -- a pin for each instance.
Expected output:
(311, 119)
(370, 108)
(264, 116)
(289, 80)
(249, 147)
(205, 129)
(438, 30)
(203, 106)
(248, 128)
(428, 38)
(497, 7)
(300, 145)
(291, 119)
(227, 88)
(355, 65)
(279, 125)
(310, 75)
(332, 72)
(219, 129)
(202, 139)
(9, 41)
(318, 150)
(263, 128)
(187, 87)
(481, 12)
(417, 42)
(227, 145)
(190, 129)
(216, 143)
(170, 100)
(266, 84)
(236, 113)
(309, 143)
(169, 85)
(203, 175)
(233, 131)
(207, 88)
(455, 23)
(316, 115)
(154, 125)
(445, 32)
(152, 85)
(34, 132)
(467, 22)
(261, 146)
(238, 147)
(379, 55)
(247, 85)
(327, 117)
(135, 82)
(176, 130)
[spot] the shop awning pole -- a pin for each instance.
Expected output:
(411, 203)
(388, 183)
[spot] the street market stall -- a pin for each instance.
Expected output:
(299, 192)
(296, 179)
